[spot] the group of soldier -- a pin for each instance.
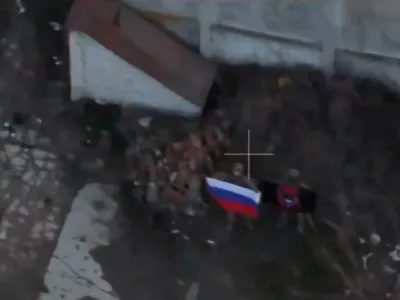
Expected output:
(171, 180)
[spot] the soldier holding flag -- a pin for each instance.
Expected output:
(237, 195)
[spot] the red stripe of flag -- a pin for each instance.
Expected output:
(238, 208)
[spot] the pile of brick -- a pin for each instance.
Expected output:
(173, 171)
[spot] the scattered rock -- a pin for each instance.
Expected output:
(193, 291)
(211, 242)
(145, 122)
(395, 254)
(70, 156)
(94, 165)
(48, 201)
(180, 282)
(375, 239)
(365, 260)
(56, 26)
(44, 141)
(389, 269)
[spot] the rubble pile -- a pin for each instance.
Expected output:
(342, 135)
(175, 167)
(331, 132)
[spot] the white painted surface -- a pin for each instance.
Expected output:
(193, 291)
(384, 68)
(181, 8)
(245, 49)
(365, 27)
(188, 32)
(76, 69)
(99, 74)
(72, 270)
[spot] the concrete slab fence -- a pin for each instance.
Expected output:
(359, 36)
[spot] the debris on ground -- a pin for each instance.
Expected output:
(395, 253)
(322, 149)
(341, 135)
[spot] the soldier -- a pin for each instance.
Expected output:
(239, 178)
(138, 191)
(288, 197)
(172, 154)
(138, 179)
(196, 204)
(154, 185)
(174, 193)
(152, 194)
(215, 140)
(197, 155)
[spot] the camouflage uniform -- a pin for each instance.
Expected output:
(138, 178)
(293, 179)
(215, 141)
(174, 194)
(196, 204)
(154, 185)
(238, 178)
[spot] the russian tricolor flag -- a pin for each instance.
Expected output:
(233, 198)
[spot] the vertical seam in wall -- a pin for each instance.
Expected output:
(82, 59)
(332, 42)
(342, 12)
(208, 15)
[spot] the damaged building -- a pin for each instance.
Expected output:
(325, 35)
(117, 56)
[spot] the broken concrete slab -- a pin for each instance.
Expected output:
(72, 272)
(140, 65)
(28, 222)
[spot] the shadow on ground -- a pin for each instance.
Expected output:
(343, 136)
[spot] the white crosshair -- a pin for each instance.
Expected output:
(249, 154)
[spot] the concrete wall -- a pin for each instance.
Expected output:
(113, 80)
(360, 36)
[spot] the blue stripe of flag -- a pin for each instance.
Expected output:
(225, 195)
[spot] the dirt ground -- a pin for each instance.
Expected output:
(343, 137)
(342, 134)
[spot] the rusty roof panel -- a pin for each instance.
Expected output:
(144, 46)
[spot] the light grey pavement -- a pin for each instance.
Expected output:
(72, 272)
(35, 199)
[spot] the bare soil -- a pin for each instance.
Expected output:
(342, 135)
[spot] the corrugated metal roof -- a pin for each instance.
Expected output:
(144, 46)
